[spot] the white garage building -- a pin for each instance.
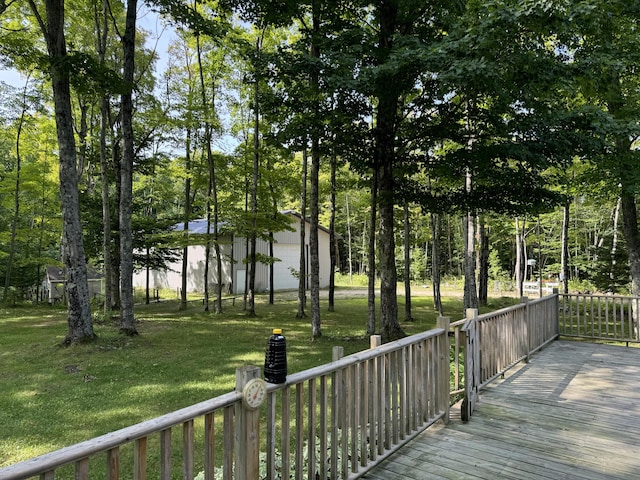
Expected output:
(286, 250)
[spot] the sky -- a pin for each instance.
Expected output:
(160, 36)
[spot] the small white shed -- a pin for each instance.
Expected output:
(53, 284)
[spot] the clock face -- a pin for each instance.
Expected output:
(254, 393)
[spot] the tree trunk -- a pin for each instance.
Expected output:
(371, 258)
(314, 199)
(350, 253)
(632, 236)
(274, 210)
(106, 207)
(614, 248)
(77, 288)
(302, 280)
(518, 266)
(407, 264)
(127, 320)
(212, 194)
(483, 263)
(564, 259)
(105, 126)
(251, 306)
(384, 154)
(470, 292)
(435, 262)
(115, 227)
(316, 331)
(187, 219)
(390, 328)
(16, 197)
(332, 236)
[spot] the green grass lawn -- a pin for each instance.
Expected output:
(53, 396)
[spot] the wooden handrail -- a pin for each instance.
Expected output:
(363, 406)
(343, 417)
(64, 456)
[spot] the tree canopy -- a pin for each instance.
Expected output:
(501, 112)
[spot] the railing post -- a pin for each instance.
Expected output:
(444, 388)
(375, 341)
(247, 431)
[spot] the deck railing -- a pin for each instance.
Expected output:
(600, 317)
(333, 421)
(496, 341)
(338, 420)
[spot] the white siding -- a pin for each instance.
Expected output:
(286, 249)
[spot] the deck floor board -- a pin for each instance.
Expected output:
(572, 412)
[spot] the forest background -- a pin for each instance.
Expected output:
(433, 139)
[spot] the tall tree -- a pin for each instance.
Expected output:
(407, 262)
(302, 279)
(314, 199)
(79, 314)
(16, 192)
(101, 19)
(605, 57)
(127, 320)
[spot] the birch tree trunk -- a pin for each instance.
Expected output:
(518, 265)
(614, 247)
(470, 292)
(564, 260)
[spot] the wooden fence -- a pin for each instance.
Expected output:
(338, 420)
(600, 317)
(333, 421)
(496, 341)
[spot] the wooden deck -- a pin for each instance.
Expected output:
(573, 412)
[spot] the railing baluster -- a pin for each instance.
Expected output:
(324, 426)
(140, 459)
(271, 436)
(299, 408)
(209, 446)
(82, 469)
(354, 414)
(165, 454)
(187, 449)
(364, 412)
(311, 425)
(335, 420)
(227, 434)
(113, 464)
(344, 421)
(380, 399)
